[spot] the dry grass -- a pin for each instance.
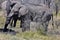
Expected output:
(28, 36)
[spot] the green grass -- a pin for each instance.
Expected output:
(25, 35)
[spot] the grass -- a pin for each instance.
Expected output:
(28, 36)
(24, 35)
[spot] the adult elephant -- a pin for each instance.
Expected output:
(33, 9)
(18, 9)
(42, 14)
(44, 19)
(7, 6)
(11, 5)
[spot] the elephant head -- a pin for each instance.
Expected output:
(8, 5)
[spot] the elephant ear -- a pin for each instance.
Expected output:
(23, 10)
(14, 2)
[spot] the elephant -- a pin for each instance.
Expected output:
(25, 11)
(12, 4)
(30, 10)
(8, 5)
(4, 7)
(15, 13)
(42, 14)
(45, 17)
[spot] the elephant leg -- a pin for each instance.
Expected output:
(21, 23)
(15, 19)
(46, 26)
(11, 24)
(6, 23)
(25, 22)
(23, 28)
(26, 25)
(14, 25)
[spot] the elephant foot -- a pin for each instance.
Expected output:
(20, 26)
(5, 30)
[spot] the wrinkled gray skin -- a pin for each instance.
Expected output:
(16, 11)
(33, 9)
(42, 14)
(5, 7)
(22, 10)
(50, 3)
(46, 18)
